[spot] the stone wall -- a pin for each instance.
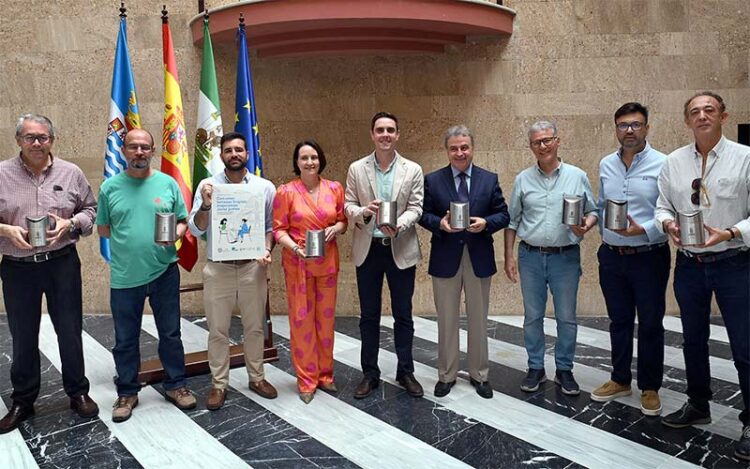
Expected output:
(571, 61)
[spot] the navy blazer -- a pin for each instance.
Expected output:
(485, 200)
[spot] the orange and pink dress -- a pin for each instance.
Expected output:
(310, 283)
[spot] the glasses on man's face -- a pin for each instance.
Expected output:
(543, 141)
(698, 188)
(32, 138)
(624, 126)
(135, 147)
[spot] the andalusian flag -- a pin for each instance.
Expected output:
(207, 154)
(245, 120)
(174, 155)
(123, 115)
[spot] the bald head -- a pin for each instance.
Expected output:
(138, 134)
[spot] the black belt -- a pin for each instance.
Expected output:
(42, 256)
(709, 257)
(382, 241)
(548, 249)
(630, 250)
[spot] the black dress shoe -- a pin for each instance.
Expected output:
(16, 415)
(84, 406)
(742, 448)
(365, 387)
(483, 389)
(688, 415)
(412, 386)
(442, 389)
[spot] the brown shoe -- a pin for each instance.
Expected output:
(366, 387)
(84, 406)
(15, 416)
(610, 391)
(306, 397)
(412, 386)
(182, 398)
(650, 403)
(215, 399)
(123, 408)
(330, 387)
(264, 389)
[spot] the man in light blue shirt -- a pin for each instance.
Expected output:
(633, 262)
(549, 255)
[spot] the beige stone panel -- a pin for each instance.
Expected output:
(603, 16)
(661, 73)
(686, 43)
(535, 75)
(486, 77)
(432, 76)
(601, 74)
(659, 15)
(559, 18)
(18, 35)
(544, 105)
(718, 15)
(66, 33)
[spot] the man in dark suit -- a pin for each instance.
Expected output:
(462, 259)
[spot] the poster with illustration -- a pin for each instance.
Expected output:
(238, 225)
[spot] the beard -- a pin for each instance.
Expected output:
(235, 165)
(140, 163)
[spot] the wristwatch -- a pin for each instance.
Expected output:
(72, 230)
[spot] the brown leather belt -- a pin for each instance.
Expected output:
(547, 249)
(630, 250)
(709, 257)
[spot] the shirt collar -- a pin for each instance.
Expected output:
(23, 165)
(245, 178)
(639, 155)
(457, 172)
(390, 166)
(556, 171)
(716, 150)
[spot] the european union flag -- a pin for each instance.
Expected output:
(123, 115)
(245, 120)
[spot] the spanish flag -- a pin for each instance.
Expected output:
(174, 156)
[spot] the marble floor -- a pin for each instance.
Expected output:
(389, 429)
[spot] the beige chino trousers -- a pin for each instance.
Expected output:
(224, 287)
(447, 294)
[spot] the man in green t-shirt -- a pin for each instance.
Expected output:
(140, 268)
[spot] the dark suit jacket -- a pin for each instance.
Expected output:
(485, 200)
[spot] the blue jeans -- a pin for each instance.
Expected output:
(560, 272)
(636, 283)
(127, 311)
(694, 284)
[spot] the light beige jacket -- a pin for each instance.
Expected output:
(408, 192)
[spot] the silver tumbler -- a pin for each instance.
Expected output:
(616, 214)
(387, 215)
(37, 227)
(459, 219)
(165, 228)
(691, 228)
(315, 243)
(572, 212)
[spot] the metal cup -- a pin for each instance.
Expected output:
(387, 215)
(616, 214)
(315, 243)
(572, 212)
(459, 219)
(37, 227)
(692, 232)
(165, 228)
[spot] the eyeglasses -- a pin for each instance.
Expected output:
(32, 138)
(136, 147)
(698, 188)
(543, 141)
(624, 126)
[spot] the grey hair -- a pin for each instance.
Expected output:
(458, 131)
(540, 126)
(37, 118)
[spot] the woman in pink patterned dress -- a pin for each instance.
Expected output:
(310, 203)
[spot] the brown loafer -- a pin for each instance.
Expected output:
(84, 406)
(123, 408)
(412, 386)
(264, 389)
(15, 416)
(215, 399)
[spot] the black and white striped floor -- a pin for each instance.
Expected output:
(388, 429)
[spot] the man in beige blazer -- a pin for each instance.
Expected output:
(379, 252)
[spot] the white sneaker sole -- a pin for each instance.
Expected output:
(651, 413)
